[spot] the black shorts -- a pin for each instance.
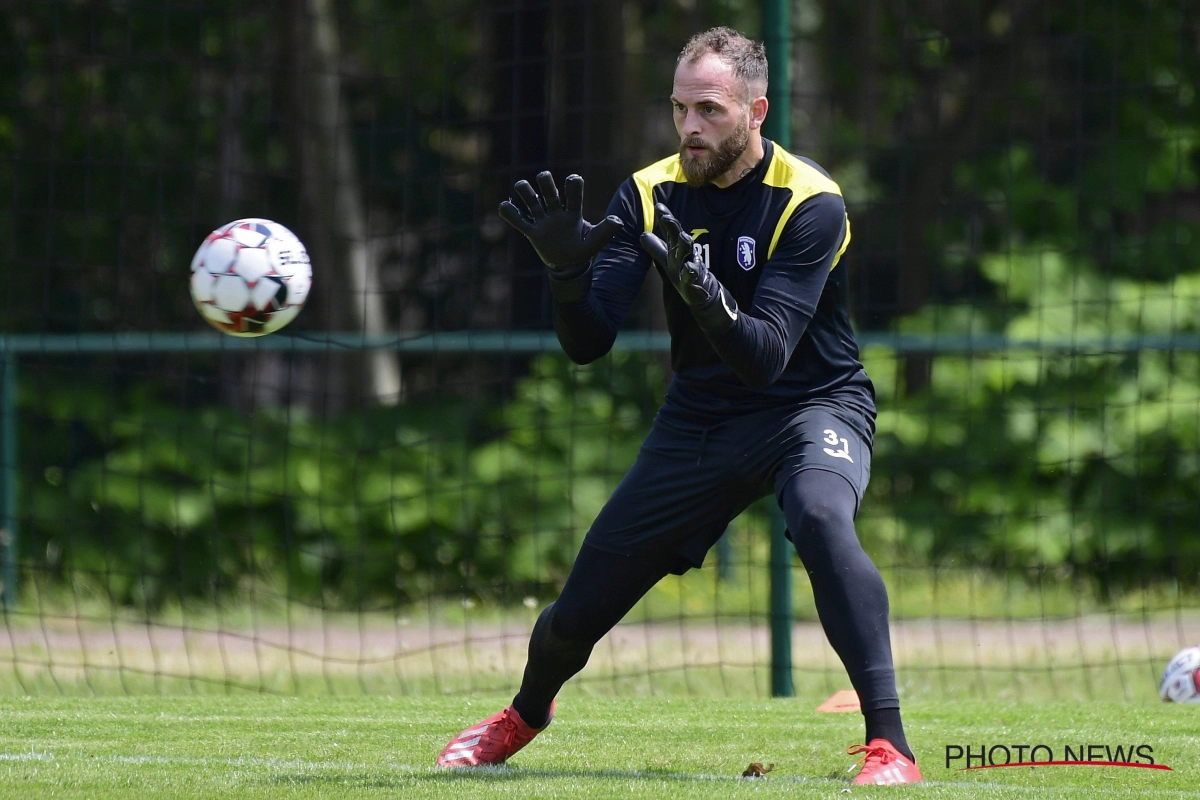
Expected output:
(690, 481)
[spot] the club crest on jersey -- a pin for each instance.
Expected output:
(745, 252)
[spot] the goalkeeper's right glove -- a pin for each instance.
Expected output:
(564, 240)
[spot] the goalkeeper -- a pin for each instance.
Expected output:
(769, 395)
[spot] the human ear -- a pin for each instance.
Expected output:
(758, 112)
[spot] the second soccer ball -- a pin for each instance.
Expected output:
(1181, 680)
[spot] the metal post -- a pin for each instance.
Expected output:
(781, 608)
(776, 36)
(725, 555)
(776, 27)
(8, 473)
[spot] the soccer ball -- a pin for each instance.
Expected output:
(250, 277)
(1181, 681)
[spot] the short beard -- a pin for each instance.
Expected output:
(699, 170)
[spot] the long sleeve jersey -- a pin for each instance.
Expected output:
(773, 239)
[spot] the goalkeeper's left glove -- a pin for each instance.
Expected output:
(711, 303)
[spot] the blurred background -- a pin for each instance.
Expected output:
(374, 500)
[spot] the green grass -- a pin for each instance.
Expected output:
(250, 746)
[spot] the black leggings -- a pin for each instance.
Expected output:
(851, 599)
(850, 596)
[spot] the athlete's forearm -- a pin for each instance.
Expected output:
(586, 329)
(757, 350)
(757, 342)
(590, 304)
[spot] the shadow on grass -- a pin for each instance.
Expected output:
(508, 774)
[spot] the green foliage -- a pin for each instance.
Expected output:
(380, 507)
(1031, 459)
(1079, 465)
(1045, 193)
(1029, 170)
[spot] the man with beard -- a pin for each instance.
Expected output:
(769, 395)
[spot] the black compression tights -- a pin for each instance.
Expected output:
(850, 597)
(849, 593)
(600, 590)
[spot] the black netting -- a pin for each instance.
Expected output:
(382, 497)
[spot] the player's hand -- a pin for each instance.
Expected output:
(674, 253)
(555, 227)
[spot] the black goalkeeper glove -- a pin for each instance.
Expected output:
(564, 240)
(711, 303)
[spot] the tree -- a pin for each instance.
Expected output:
(332, 190)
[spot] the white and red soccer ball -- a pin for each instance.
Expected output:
(250, 277)
(1181, 680)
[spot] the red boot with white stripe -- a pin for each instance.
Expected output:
(491, 742)
(883, 764)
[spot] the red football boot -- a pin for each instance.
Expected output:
(883, 764)
(491, 742)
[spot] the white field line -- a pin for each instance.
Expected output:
(240, 761)
(427, 770)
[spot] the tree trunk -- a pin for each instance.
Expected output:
(333, 193)
(519, 134)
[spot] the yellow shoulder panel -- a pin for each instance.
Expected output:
(665, 171)
(788, 172)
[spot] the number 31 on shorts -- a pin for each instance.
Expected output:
(832, 438)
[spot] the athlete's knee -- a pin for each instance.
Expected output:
(561, 621)
(567, 622)
(824, 525)
(821, 521)
(820, 516)
(553, 640)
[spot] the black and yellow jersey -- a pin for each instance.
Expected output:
(774, 240)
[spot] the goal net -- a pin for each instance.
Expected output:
(382, 497)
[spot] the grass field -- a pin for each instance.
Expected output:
(257, 747)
